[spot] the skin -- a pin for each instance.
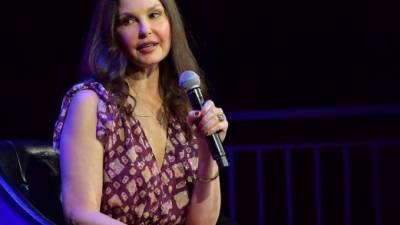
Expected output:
(82, 154)
(144, 22)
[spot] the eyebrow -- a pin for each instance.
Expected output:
(157, 5)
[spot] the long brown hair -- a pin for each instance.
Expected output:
(106, 62)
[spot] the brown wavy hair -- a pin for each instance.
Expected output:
(106, 62)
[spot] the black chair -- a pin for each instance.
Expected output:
(30, 183)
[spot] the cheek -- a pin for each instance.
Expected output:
(126, 37)
(165, 33)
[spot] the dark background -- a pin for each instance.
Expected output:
(257, 55)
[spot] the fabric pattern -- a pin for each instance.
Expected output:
(135, 190)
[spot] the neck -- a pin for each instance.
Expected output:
(144, 83)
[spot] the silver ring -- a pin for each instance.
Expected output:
(221, 117)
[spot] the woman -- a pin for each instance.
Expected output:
(131, 150)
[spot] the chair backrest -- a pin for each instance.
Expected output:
(31, 169)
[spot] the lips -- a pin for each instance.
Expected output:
(147, 45)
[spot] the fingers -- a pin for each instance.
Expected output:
(209, 120)
(193, 116)
(212, 128)
(209, 112)
(213, 119)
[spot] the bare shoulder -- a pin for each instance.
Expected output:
(81, 115)
(84, 101)
(85, 97)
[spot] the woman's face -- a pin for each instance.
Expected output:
(144, 31)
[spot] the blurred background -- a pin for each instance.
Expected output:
(311, 89)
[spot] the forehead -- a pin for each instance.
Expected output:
(137, 5)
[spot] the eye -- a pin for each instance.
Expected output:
(126, 20)
(155, 14)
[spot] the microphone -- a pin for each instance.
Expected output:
(189, 81)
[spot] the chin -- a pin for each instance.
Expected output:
(146, 64)
(149, 61)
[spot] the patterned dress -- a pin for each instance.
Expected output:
(135, 190)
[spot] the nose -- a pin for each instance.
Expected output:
(144, 30)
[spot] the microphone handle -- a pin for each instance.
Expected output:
(214, 142)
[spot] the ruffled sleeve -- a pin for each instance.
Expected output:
(105, 111)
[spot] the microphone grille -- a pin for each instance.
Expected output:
(189, 80)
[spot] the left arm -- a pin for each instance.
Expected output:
(205, 202)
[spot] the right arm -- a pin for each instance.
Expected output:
(81, 162)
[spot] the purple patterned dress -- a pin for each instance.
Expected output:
(135, 190)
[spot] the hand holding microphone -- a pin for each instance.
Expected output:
(213, 122)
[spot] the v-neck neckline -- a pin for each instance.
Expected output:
(150, 148)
